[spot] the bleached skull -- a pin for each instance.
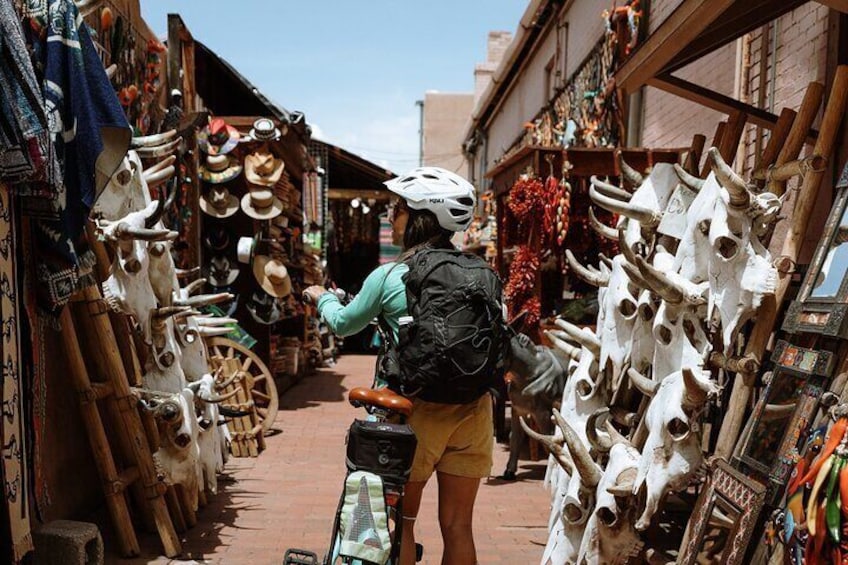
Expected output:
(211, 428)
(128, 289)
(620, 315)
(178, 453)
(672, 452)
(163, 369)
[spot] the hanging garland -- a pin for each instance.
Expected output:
(526, 197)
(521, 286)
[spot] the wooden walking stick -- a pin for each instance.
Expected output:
(768, 311)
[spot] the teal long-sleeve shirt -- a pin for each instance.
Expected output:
(383, 293)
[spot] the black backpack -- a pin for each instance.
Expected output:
(453, 350)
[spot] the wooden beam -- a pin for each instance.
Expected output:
(718, 101)
(351, 193)
(672, 36)
(838, 5)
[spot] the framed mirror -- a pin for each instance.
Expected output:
(822, 302)
(783, 415)
(724, 517)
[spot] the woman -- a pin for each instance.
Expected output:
(454, 440)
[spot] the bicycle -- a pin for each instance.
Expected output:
(383, 446)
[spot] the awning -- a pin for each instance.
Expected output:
(694, 29)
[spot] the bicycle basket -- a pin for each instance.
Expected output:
(382, 448)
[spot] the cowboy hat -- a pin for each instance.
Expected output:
(219, 169)
(272, 276)
(264, 130)
(218, 137)
(263, 308)
(220, 273)
(261, 204)
(263, 169)
(217, 239)
(218, 202)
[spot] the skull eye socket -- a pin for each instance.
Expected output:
(664, 335)
(727, 247)
(689, 329)
(157, 250)
(170, 412)
(132, 265)
(678, 429)
(704, 227)
(646, 312)
(572, 369)
(607, 517)
(572, 512)
(627, 308)
(585, 388)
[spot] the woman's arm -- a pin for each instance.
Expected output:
(353, 318)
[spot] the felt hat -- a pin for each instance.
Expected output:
(218, 137)
(261, 204)
(272, 276)
(217, 239)
(220, 272)
(263, 169)
(244, 249)
(263, 308)
(264, 130)
(218, 202)
(218, 169)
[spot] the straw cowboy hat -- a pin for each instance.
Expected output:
(218, 202)
(220, 272)
(272, 276)
(263, 169)
(261, 204)
(218, 137)
(263, 308)
(264, 130)
(219, 169)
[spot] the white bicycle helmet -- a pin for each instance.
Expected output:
(447, 195)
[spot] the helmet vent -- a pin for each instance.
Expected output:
(429, 176)
(465, 201)
(456, 212)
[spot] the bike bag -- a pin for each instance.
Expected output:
(382, 448)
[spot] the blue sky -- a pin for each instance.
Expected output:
(355, 68)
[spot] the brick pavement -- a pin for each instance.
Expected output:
(287, 496)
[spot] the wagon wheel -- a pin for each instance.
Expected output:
(264, 391)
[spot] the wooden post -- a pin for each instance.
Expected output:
(768, 312)
(777, 139)
(717, 137)
(696, 149)
(798, 134)
(731, 136)
(112, 486)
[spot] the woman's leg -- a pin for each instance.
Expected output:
(456, 508)
(411, 504)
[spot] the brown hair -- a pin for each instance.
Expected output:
(422, 231)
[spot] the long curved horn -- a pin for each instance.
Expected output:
(590, 475)
(615, 435)
(623, 486)
(167, 311)
(194, 286)
(642, 383)
(660, 283)
(696, 390)
(173, 190)
(159, 150)
(159, 166)
(208, 331)
(204, 299)
(647, 217)
(154, 218)
(592, 277)
(629, 174)
(626, 250)
(777, 411)
(125, 231)
(185, 314)
(111, 70)
(156, 178)
(218, 398)
(599, 443)
(230, 380)
(740, 196)
(691, 181)
(185, 273)
(587, 339)
(552, 445)
(609, 189)
(605, 260)
(154, 140)
(213, 321)
(563, 345)
(601, 228)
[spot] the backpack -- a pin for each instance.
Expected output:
(452, 351)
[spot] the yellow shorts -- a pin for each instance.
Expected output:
(452, 438)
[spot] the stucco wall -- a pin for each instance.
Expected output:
(585, 27)
(445, 120)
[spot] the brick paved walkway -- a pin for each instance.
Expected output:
(287, 496)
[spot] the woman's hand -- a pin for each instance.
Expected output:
(313, 292)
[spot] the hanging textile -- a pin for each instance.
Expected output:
(388, 251)
(90, 134)
(13, 429)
